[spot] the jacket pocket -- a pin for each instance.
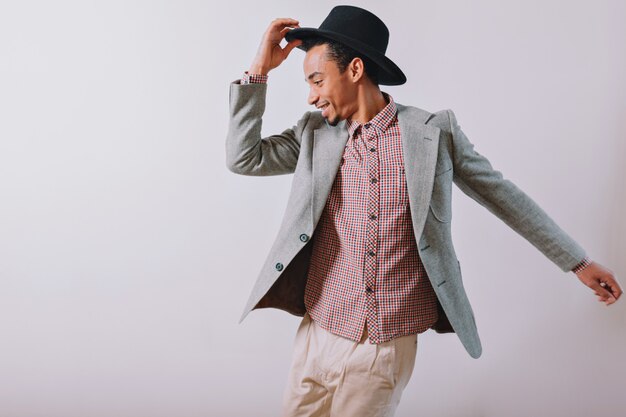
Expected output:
(441, 199)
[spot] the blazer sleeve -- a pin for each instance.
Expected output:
(475, 176)
(247, 153)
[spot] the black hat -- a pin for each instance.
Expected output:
(360, 30)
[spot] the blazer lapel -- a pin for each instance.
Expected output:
(328, 146)
(420, 144)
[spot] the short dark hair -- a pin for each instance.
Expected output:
(342, 55)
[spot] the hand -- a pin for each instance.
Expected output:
(270, 54)
(602, 281)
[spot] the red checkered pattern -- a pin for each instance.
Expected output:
(365, 268)
(253, 78)
(582, 265)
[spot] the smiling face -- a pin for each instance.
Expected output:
(332, 92)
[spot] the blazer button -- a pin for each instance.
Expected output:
(279, 266)
(304, 237)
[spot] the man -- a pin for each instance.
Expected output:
(364, 252)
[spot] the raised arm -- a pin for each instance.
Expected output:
(247, 153)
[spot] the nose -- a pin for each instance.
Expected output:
(313, 97)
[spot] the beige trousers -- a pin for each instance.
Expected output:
(334, 376)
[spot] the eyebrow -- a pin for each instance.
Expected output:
(313, 75)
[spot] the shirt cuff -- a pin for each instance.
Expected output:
(253, 78)
(582, 265)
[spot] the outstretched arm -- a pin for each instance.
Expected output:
(475, 176)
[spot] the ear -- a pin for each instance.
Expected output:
(357, 69)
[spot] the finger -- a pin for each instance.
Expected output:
(614, 287)
(289, 47)
(600, 290)
(284, 31)
(285, 21)
(277, 34)
(608, 301)
(278, 25)
(608, 297)
(613, 290)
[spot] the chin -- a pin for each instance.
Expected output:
(335, 121)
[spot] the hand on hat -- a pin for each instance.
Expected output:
(270, 54)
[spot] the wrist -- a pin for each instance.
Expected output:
(257, 69)
(253, 78)
(584, 263)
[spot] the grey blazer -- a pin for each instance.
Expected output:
(436, 154)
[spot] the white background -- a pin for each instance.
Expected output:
(128, 250)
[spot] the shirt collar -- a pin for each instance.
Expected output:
(381, 121)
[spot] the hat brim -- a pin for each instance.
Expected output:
(388, 74)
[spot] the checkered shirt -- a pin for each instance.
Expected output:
(365, 268)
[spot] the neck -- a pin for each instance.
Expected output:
(370, 101)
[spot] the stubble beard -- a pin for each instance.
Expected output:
(333, 122)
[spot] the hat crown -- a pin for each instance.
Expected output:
(360, 30)
(358, 24)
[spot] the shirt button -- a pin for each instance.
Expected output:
(279, 266)
(304, 237)
(374, 180)
(369, 290)
(371, 254)
(367, 125)
(372, 216)
(373, 150)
